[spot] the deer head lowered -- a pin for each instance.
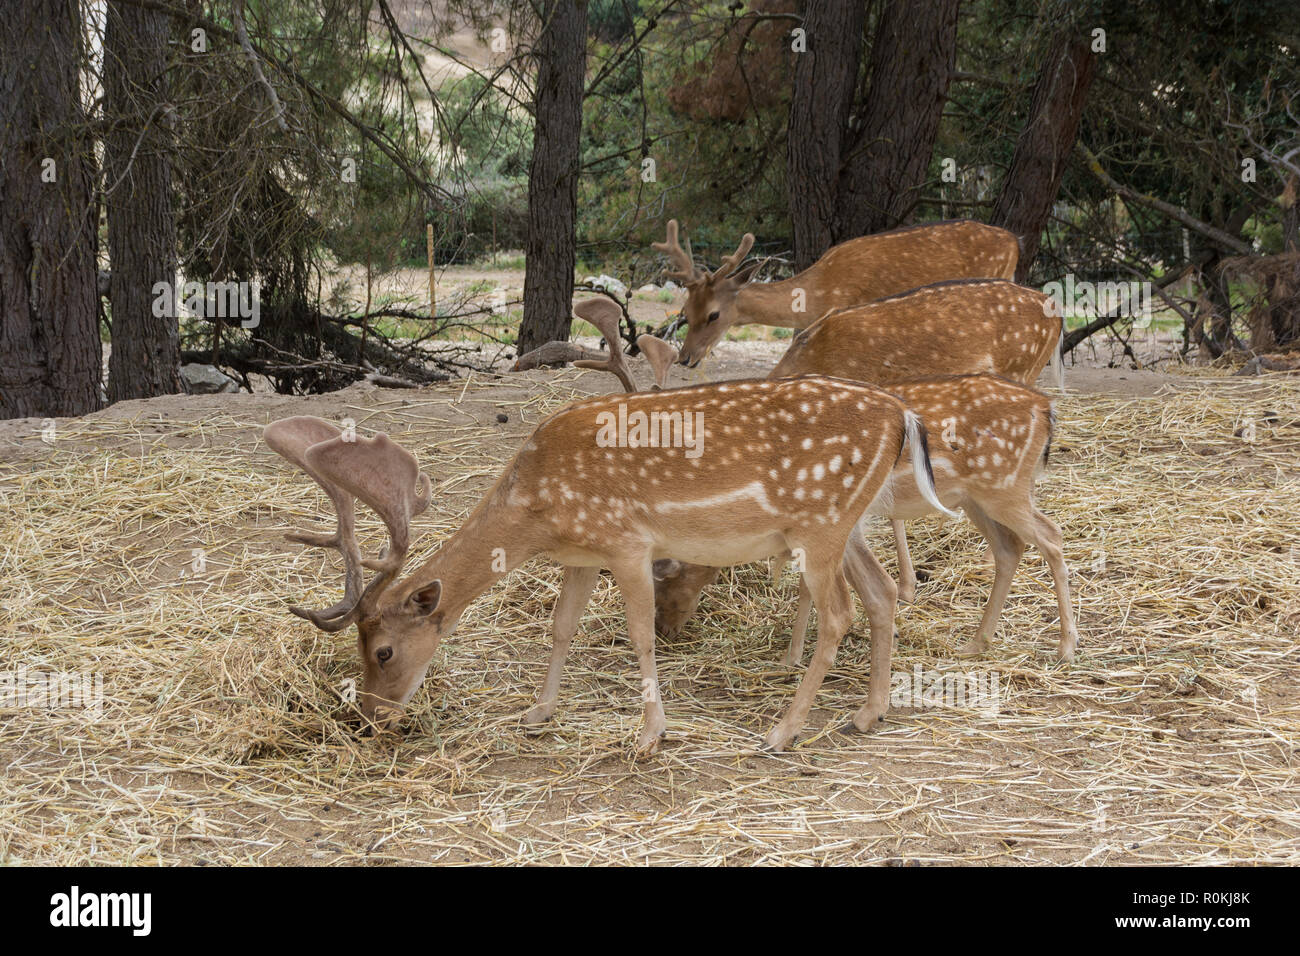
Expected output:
(992, 433)
(714, 474)
(853, 272)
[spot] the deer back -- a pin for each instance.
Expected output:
(707, 462)
(886, 263)
(957, 327)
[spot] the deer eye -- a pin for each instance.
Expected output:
(384, 655)
(713, 316)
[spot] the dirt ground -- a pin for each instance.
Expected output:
(144, 544)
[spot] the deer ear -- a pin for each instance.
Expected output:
(425, 601)
(666, 568)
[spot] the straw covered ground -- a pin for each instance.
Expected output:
(144, 545)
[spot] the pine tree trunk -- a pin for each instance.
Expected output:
(145, 360)
(551, 248)
(1044, 147)
(49, 339)
(825, 81)
(912, 59)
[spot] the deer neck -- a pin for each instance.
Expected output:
(489, 545)
(772, 303)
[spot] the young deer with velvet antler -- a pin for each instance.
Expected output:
(750, 469)
(851, 273)
(605, 315)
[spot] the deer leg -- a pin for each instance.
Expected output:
(906, 573)
(1007, 548)
(575, 592)
(830, 591)
(795, 650)
(860, 577)
(1044, 534)
(637, 585)
(879, 597)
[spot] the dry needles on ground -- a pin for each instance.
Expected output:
(150, 553)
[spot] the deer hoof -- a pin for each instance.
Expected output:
(538, 715)
(778, 740)
(648, 745)
(865, 720)
(972, 648)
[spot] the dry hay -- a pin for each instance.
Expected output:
(224, 739)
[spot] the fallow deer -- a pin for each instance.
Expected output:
(605, 315)
(993, 437)
(749, 469)
(851, 273)
(957, 327)
(953, 328)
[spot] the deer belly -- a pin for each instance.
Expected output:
(722, 551)
(714, 551)
(732, 526)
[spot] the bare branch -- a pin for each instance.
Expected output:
(1173, 212)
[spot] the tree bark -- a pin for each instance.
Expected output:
(825, 81)
(912, 61)
(49, 339)
(145, 360)
(551, 248)
(1043, 149)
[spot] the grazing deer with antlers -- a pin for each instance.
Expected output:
(744, 470)
(853, 272)
(605, 315)
(959, 327)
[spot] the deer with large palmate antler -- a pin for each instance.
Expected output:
(853, 272)
(715, 474)
(605, 315)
